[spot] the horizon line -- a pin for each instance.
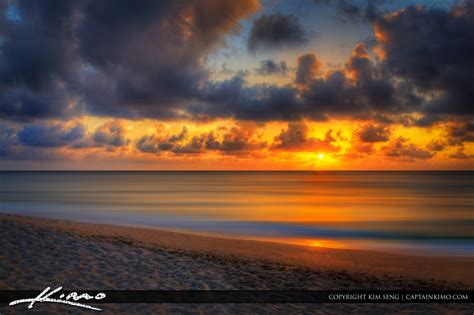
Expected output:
(231, 170)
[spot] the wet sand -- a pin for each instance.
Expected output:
(35, 253)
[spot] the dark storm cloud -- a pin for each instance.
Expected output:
(136, 68)
(425, 50)
(38, 46)
(337, 95)
(50, 135)
(150, 61)
(234, 99)
(374, 133)
(24, 104)
(145, 60)
(276, 31)
(432, 49)
(37, 57)
(140, 59)
(271, 67)
(361, 87)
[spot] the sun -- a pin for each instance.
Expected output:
(320, 156)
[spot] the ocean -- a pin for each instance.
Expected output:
(427, 213)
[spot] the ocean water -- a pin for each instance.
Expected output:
(428, 213)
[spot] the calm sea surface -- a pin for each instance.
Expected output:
(417, 212)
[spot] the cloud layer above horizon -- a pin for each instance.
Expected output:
(225, 84)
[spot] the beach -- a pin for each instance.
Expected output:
(39, 252)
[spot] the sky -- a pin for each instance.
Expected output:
(236, 85)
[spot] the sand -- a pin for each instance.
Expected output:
(35, 253)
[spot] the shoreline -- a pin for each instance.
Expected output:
(378, 264)
(38, 253)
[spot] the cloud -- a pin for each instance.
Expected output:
(237, 140)
(232, 98)
(460, 155)
(112, 133)
(459, 133)
(436, 145)
(271, 67)
(430, 48)
(365, 86)
(361, 147)
(161, 142)
(308, 67)
(374, 133)
(23, 104)
(14, 148)
(358, 89)
(151, 61)
(51, 134)
(276, 31)
(426, 120)
(400, 148)
(296, 138)
(364, 138)
(195, 145)
(11, 147)
(120, 59)
(38, 47)
(61, 59)
(38, 56)
(148, 144)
